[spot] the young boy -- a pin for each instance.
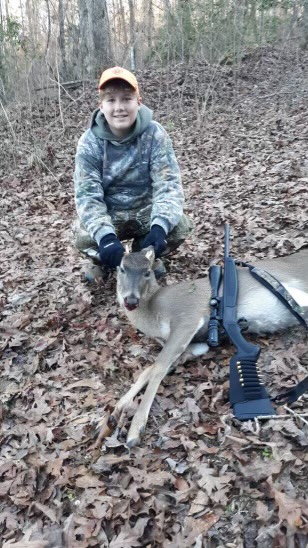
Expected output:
(127, 179)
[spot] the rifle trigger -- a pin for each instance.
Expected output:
(243, 324)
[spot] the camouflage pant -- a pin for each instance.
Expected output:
(130, 230)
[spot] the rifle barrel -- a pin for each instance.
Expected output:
(226, 240)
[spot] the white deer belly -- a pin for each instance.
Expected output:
(265, 313)
(301, 297)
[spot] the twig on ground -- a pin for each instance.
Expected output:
(104, 432)
(40, 161)
(70, 85)
(295, 414)
(241, 441)
(281, 92)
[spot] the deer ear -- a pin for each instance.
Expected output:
(149, 253)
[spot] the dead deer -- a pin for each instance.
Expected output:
(177, 316)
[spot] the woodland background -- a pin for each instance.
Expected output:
(228, 80)
(47, 41)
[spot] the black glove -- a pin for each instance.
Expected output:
(111, 251)
(156, 238)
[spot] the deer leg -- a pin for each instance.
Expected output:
(140, 418)
(194, 350)
(175, 347)
(125, 401)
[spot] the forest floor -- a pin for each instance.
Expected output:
(199, 478)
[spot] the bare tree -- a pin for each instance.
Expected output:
(123, 24)
(61, 39)
(95, 47)
(305, 24)
(132, 29)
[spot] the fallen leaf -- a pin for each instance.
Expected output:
(262, 511)
(86, 481)
(46, 510)
(290, 509)
(209, 481)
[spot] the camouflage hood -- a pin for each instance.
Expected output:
(100, 127)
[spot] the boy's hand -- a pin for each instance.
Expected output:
(111, 251)
(156, 238)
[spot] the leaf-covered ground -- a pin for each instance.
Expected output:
(199, 478)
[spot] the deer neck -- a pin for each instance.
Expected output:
(150, 292)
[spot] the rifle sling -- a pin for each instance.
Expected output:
(293, 394)
(275, 286)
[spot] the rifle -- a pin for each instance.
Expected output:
(248, 396)
(215, 275)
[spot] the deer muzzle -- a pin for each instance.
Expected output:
(131, 302)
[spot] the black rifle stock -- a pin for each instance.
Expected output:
(248, 396)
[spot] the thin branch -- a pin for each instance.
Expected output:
(40, 161)
(59, 93)
(72, 84)
(295, 414)
(8, 121)
(281, 92)
(59, 84)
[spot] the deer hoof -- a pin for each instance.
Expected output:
(134, 435)
(132, 442)
(112, 421)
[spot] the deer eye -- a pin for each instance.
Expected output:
(147, 274)
(122, 269)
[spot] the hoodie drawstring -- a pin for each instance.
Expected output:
(105, 159)
(139, 150)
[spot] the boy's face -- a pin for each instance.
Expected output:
(120, 107)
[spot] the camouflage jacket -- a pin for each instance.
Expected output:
(135, 178)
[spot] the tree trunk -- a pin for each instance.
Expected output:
(61, 41)
(132, 32)
(150, 26)
(123, 25)
(95, 50)
(305, 24)
(48, 28)
(2, 71)
(33, 25)
(7, 12)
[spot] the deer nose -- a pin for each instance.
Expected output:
(131, 302)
